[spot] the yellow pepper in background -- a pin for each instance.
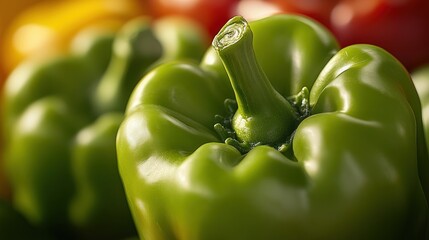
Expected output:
(8, 12)
(48, 26)
(10, 9)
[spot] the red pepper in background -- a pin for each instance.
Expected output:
(399, 26)
(212, 14)
(317, 9)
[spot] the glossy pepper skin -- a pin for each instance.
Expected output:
(340, 162)
(55, 110)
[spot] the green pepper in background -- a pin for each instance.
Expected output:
(61, 120)
(311, 142)
(45, 104)
(421, 80)
(136, 52)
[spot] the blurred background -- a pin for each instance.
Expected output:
(30, 28)
(38, 29)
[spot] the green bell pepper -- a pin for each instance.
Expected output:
(61, 120)
(277, 134)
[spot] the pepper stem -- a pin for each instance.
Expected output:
(263, 115)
